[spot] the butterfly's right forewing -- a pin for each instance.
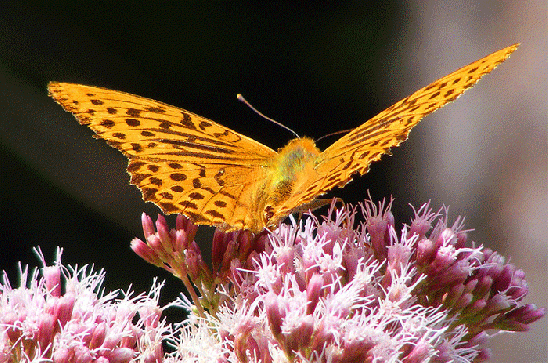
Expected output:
(354, 152)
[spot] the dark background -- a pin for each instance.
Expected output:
(316, 68)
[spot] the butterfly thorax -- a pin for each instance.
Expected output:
(292, 167)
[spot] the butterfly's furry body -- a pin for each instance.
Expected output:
(188, 164)
(293, 168)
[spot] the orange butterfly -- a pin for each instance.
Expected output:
(188, 164)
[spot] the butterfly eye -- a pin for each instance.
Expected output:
(268, 213)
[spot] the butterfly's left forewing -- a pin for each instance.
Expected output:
(182, 162)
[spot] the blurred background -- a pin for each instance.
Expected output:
(317, 68)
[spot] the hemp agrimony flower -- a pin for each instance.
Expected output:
(60, 314)
(332, 290)
(339, 291)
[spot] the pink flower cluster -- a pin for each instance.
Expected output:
(58, 315)
(332, 291)
(315, 291)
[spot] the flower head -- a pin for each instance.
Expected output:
(329, 291)
(333, 292)
(59, 314)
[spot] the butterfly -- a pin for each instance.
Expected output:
(187, 164)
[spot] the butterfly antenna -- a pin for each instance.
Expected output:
(333, 133)
(242, 99)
